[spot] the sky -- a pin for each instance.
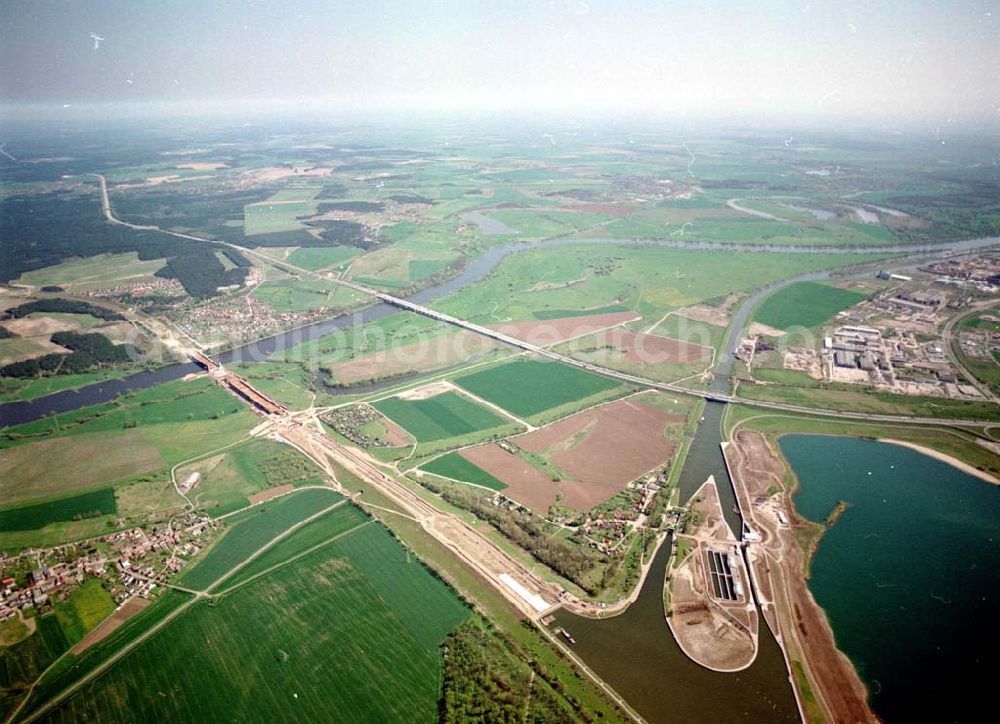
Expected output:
(891, 58)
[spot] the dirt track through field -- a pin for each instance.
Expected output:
(780, 563)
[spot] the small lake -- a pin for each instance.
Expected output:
(907, 575)
(819, 214)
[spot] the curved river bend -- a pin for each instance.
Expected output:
(14, 413)
(634, 651)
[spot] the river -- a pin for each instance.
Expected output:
(634, 652)
(907, 575)
(14, 413)
(638, 656)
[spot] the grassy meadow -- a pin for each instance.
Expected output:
(446, 415)
(804, 304)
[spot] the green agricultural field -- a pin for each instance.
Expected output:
(394, 330)
(804, 304)
(86, 607)
(295, 193)
(423, 602)
(805, 392)
(323, 257)
(316, 637)
(177, 401)
(71, 666)
(543, 222)
(24, 662)
(254, 528)
(340, 521)
(423, 268)
(86, 505)
(987, 371)
(12, 631)
(303, 295)
(651, 280)
(18, 348)
(140, 434)
(288, 383)
(456, 467)
(546, 314)
(528, 387)
(383, 283)
(437, 418)
(689, 330)
(94, 272)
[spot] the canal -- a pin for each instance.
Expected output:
(14, 413)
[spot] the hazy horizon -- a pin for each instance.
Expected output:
(899, 62)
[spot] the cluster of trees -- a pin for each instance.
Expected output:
(568, 561)
(87, 351)
(62, 306)
(342, 233)
(201, 272)
(485, 682)
(412, 199)
(41, 230)
(287, 467)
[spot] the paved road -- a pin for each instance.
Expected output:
(507, 339)
(949, 340)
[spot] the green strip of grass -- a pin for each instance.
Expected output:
(86, 505)
(528, 387)
(456, 467)
(436, 418)
(544, 314)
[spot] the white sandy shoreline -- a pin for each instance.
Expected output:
(954, 462)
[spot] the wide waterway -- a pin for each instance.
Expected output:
(13, 413)
(637, 655)
(908, 573)
(634, 651)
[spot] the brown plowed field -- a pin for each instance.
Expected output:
(585, 496)
(394, 434)
(525, 484)
(108, 625)
(610, 445)
(271, 493)
(601, 450)
(549, 331)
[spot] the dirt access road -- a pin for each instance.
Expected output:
(778, 564)
(475, 549)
